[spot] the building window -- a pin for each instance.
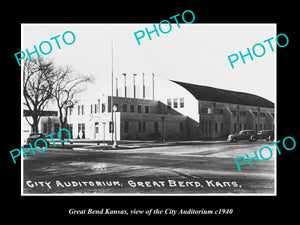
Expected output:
(175, 103)
(132, 108)
(117, 107)
(79, 110)
(242, 113)
(45, 128)
(96, 108)
(144, 127)
(219, 111)
(139, 108)
(155, 127)
(96, 127)
(91, 108)
(245, 126)
(234, 128)
(140, 126)
(260, 126)
(79, 128)
(256, 126)
(71, 129)
(222, 127)
(146, 109)
(181, 127)
(233, 112)
(202, 127)
(103, 107)
(240, 126)
(124, 107)
(82, 109)
(216, 127)
(83, 130)
(264, 126)
(262, 114)
(206, 110)
(126, 127)
(169, 103)
(70, 110)
(181, 102)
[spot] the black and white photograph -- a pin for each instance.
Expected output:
(168, 109)
(147, 111)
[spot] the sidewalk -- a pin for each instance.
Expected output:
(84, 144)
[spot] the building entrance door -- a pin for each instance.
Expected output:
(96, 131)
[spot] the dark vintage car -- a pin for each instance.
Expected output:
(266, 134)
(34, 136)
(249, 135)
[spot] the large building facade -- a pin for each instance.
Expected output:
(153, 108)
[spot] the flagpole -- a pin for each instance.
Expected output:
(112, 92)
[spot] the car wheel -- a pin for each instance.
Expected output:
(270, 138)
(252, 138)
(234, 140)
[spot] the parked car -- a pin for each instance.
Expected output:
(266, 134)
(243, 135)
(34, 136)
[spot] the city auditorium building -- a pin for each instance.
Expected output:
(150, 108)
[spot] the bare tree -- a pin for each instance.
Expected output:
(37, 88)
(66, 86)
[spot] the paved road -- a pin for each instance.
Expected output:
(185, 169)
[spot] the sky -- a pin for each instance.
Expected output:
(193, 53)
